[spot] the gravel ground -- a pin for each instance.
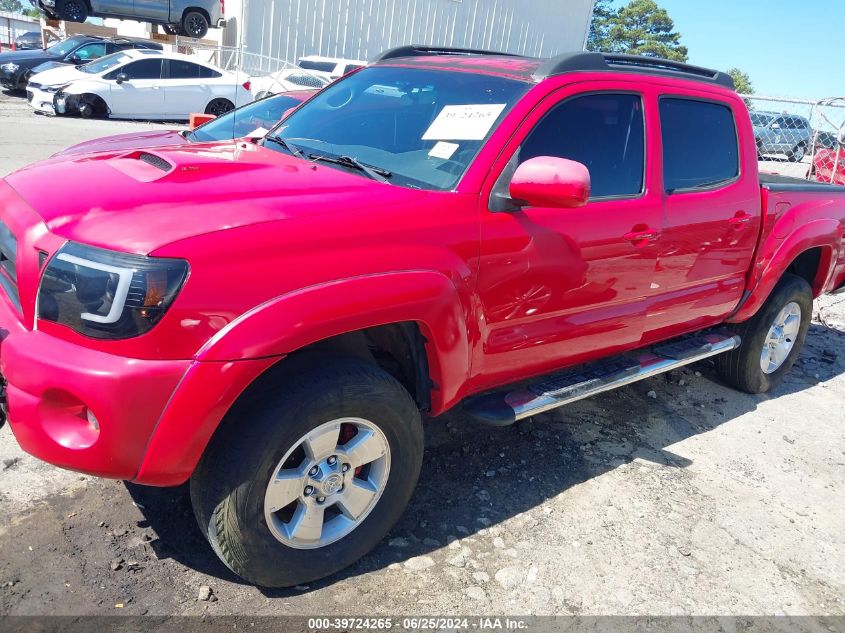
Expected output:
(698, 501)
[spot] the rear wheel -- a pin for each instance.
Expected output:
(218, 107)
(306, 477)
(771, 339)
(195, 24)
(72, 10)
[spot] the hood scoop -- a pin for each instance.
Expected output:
(142, 166)
(155, 161)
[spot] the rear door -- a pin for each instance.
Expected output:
(142, 94)
(559, 286)
(187, 87)
(711, 217)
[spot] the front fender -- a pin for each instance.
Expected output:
(777, 255)
(292, 321)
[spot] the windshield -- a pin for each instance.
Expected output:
(63, 48)
(423, 126)
(761, 120)
(256, 117)
(105, 63)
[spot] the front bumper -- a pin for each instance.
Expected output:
(78, 408)
(10, 80)
(41, 100)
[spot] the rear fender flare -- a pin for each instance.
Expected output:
(773, 262)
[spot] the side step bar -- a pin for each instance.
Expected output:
(504, 408)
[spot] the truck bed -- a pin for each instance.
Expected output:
(777, 182)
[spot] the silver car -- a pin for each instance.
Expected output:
(788, 134)
(185, 17)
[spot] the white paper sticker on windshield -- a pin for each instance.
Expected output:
(258, 132)
(443, 150)
(463, 122)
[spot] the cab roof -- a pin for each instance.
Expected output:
(533, 69)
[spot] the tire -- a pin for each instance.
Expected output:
(72, 10)
(195, 24)
(797, 154)
(218, 107)
(742, 368)
(229, 485)
(92, 106)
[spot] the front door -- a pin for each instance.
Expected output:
(561, 286)
(142, 93)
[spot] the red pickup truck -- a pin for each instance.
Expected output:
(268, 319)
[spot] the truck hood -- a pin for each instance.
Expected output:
(141, 200)
(128, 141)
(62, 74)
(25, 57)
(49, 66)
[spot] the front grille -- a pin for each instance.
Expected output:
(8, 261)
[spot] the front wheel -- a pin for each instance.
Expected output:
(308, 474)
(798, 153)
(771, 339)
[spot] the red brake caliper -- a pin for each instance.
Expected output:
(347, 432)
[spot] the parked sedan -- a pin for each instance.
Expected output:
(16, 67)
(253, 119)
(28, 41)
(139, 85)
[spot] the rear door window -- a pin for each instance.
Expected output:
(180, 69)
(700, 149)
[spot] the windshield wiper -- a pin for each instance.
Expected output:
(293, 149)
(376, 173)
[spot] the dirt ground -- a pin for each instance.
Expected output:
(698, 501)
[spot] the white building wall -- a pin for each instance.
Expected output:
(360, 29)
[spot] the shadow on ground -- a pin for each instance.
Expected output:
(475, 476)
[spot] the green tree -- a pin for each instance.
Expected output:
(603, 13)
(742, 81)
(639, 28)
(12, 6)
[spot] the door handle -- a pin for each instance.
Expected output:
(645, 235)
(740, 219)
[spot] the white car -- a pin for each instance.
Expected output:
(138, 84)
(285, 81)
(330, 67)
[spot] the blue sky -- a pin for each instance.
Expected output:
(790, 48)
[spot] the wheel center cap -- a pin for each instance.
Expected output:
(332, 484)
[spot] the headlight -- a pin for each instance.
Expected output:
(108, 295)
(55, 88)
(10, 67)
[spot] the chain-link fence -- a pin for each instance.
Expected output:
(799, 138)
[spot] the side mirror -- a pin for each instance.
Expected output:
(547, 181)
(75, 59)
(121, 78)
